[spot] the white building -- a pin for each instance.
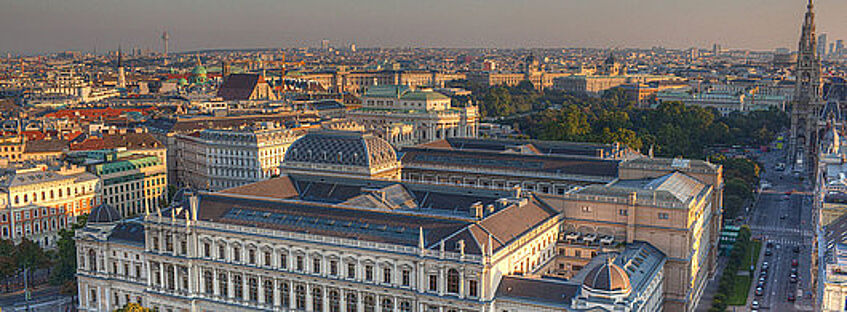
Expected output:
(218, 159)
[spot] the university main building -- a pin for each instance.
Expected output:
(345, 228)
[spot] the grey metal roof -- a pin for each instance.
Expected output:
(341, 148)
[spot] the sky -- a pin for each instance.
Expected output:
(39, 26)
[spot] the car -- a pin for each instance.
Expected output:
(790, 296)
(765, 265)
(782, 217)
(760, 291)
(754, 304)
(792, 278)
(794, 270)
(768, 252)
(796, 249)
(763, 280)
(769, 244)
(794, 263)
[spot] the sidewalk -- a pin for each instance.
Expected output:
(712, 287)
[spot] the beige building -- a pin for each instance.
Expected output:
(132, 183)
(430, 113)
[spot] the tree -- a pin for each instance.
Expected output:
(64, 266)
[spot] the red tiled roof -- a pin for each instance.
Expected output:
(128, 140)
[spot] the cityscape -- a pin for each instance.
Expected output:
(426, 160)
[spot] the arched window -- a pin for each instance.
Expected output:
(317, 299)
(334, 301)
(222, 283)
(269, 291)
(370, 304)
(453, 281)
(253, 284)
(405, 306)
(237, 287)
(387, 305)
(92, 260)
(351, 302)
(284, 294)
(208, 283)
(18, 199)
(300, 297)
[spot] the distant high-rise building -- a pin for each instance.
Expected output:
(165, 38)
(839, 47)
(325, 44)
(822, 45)
(716, 49)
(352, 47)
(832, 48)
(121, 83)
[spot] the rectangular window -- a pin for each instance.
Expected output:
(369, 272)
(299, 263)
(473, 288)
(433, 282)
(407, 278)
(333, 267)
(283, 260)
(623, 212)
(316, 265)
(586, 209)
(386, 275)
(663, 216)
(351, 270)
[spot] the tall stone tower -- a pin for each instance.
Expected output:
(807, 97)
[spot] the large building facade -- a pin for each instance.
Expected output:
(38, 201)
(218, 159)
(322, 243)
(429, 113)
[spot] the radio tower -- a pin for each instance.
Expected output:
(165, 38)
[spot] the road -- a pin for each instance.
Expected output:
(785, 221)
(43, 299)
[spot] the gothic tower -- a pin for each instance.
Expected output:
(807, 97)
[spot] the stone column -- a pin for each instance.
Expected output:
(309, 306)
(292, 302)
(244, 288)
(261, 289)
(342, 301)
(216, 289)
(360, 302)
(462, 284)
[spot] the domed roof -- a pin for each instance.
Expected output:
(342, 148)
(103, 214)
(199, 70)
(607, 277)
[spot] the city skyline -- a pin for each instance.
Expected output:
(86, 25)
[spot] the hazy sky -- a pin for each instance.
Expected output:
(29, 26)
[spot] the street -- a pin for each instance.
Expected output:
(782, 219)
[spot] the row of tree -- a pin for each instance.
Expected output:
(61, 262)
(741, 176)
(671, 129)
(727, 285)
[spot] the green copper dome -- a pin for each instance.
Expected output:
(199, 70)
